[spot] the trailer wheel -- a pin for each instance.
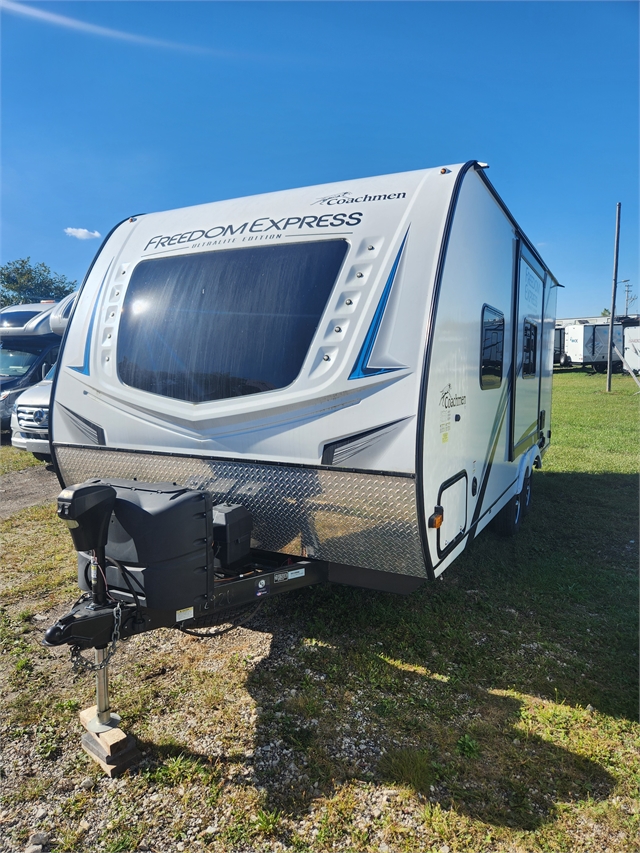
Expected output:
(565, 360)
(525, 494)
(509, 518)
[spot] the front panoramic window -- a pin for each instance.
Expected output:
(227, 323)
(492, 348)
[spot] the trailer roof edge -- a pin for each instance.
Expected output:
(479, 170)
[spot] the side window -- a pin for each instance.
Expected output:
(50, 359)
(492, 348)
(529, 348)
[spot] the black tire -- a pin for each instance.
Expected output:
(600, 366)
(509, 518)
(565, 360)
(526, 494)
(42, 457)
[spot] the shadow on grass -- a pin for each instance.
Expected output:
(461, 751)
(550, 613)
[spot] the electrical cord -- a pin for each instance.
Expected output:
(128, 580)
(208, 635)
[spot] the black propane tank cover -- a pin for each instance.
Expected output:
(161, 532)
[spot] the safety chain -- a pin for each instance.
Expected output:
(80, 664)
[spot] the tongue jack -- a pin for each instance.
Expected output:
(87, 509)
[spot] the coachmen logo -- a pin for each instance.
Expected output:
(449, 400)
(348, 198)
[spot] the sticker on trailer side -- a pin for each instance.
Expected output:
(186, 613)
(261, 586)
(288, 576)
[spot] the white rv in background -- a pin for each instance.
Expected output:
(631, 353)
(365, 366)
(588, 344)
(29, 344)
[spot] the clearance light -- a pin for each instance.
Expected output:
(437, 518)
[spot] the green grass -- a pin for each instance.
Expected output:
(594, 432)
(503, 699)
(534, 639)
(38, 559)
(12, 459)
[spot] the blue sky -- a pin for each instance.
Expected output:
(116, 108)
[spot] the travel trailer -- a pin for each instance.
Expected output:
(339, 383)
(588, 344)
(632, 347)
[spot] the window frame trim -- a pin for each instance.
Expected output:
(348, 246)
(534, 325)
(480, 374)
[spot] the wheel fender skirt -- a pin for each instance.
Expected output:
(373, 579)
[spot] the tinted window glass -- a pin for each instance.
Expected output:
(18, 355)
(13, 319)
(529, 348)
(492, 348)
(224, 324)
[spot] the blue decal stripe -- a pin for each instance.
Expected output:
(84, 368)
(360, 369)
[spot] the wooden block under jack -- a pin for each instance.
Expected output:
(114, 750)
(113, 765)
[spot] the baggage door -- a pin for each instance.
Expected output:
(527, 352)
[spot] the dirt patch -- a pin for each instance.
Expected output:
(33, 486)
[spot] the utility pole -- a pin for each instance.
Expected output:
(613, 297)
(629, 299)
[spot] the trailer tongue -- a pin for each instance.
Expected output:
(157, 555)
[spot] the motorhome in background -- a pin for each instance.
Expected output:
(30, 412)
(365, 367)
(29, 343)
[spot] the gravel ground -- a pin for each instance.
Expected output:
(262, 740)
(241, 758)
(234, 760)
(33, 486)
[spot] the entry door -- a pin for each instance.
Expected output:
(527, 354)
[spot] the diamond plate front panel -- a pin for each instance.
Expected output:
(364, 520)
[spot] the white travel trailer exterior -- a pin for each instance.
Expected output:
(366, 366)
(632, 347)
(588, 343)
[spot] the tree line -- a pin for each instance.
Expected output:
(22, 282)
